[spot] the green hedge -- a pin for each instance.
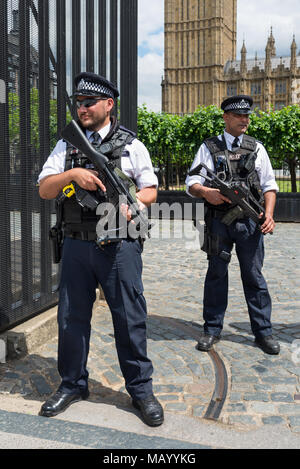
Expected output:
(181, 136)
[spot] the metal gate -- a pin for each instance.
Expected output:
(43, 45)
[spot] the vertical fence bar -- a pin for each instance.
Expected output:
(90, 36)
(114, 46)
(44, 139)
(76, 38)
(25, 200)
(5, 256)
(167, 176)
(102, 37)
(61, 64)
(114, 41)
(129, 79)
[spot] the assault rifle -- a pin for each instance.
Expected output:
(245, 203)
(116, 190)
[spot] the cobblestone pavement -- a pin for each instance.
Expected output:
(263, 389)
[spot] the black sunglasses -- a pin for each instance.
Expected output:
(88, 102)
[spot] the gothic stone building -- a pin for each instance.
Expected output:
(201, 66)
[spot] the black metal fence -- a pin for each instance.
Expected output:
(43, 45)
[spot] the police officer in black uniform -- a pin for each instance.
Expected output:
(115, 263)
(234, 156)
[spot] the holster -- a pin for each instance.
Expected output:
(56, 235)
(56, 238)
(211, 243)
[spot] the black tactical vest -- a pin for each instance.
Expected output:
(78, 219)
(236, 165)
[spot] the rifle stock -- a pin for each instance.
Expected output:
(73, 134)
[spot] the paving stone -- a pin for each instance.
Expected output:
(22, 386)
(279, 380)
(168, 397)
(282, 397)
(244, 379)
(263, 408)
(236, 407)
(260, 369)
(111, 377)
(191, 398)
(40, 384)
(258, 396)
(273, 420)
(294, 421)
(263, 387)
(235, 397)
(289, 409)
(10, 375)
(176, 406)
(6, 386)
(242, 419)
(180, 379)
(198, 411)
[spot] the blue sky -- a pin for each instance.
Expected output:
(255, 18)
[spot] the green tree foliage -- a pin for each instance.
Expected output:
(14, 130)
(279, 131)
(176, 138)
(162, 131)
(173, 139)
(14, 119)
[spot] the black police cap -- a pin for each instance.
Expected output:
(91, 84)
(240, 104)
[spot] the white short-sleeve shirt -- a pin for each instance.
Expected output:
(135, 162)
(262, 165)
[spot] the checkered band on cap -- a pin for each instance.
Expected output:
(90, 86)
(240, 105)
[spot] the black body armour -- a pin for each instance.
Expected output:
(78, 221)
(235, 165)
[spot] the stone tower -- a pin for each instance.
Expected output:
(200, 38)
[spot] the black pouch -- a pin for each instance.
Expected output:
(232, 215)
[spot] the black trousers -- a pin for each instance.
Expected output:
(249, 245)
(118, 269)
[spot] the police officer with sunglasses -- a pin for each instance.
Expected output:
(116, 264)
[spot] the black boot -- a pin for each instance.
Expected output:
(206, 342)
(60, 401)
(151, 410)
(268, 344)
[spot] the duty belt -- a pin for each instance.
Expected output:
(92, 236)
(83, 235)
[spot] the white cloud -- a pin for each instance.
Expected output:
(155, 42)
(151, 18)
(150, 75)
(151, 52)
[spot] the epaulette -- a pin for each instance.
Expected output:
(215, 145)
(133, 134)
(248, 143)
